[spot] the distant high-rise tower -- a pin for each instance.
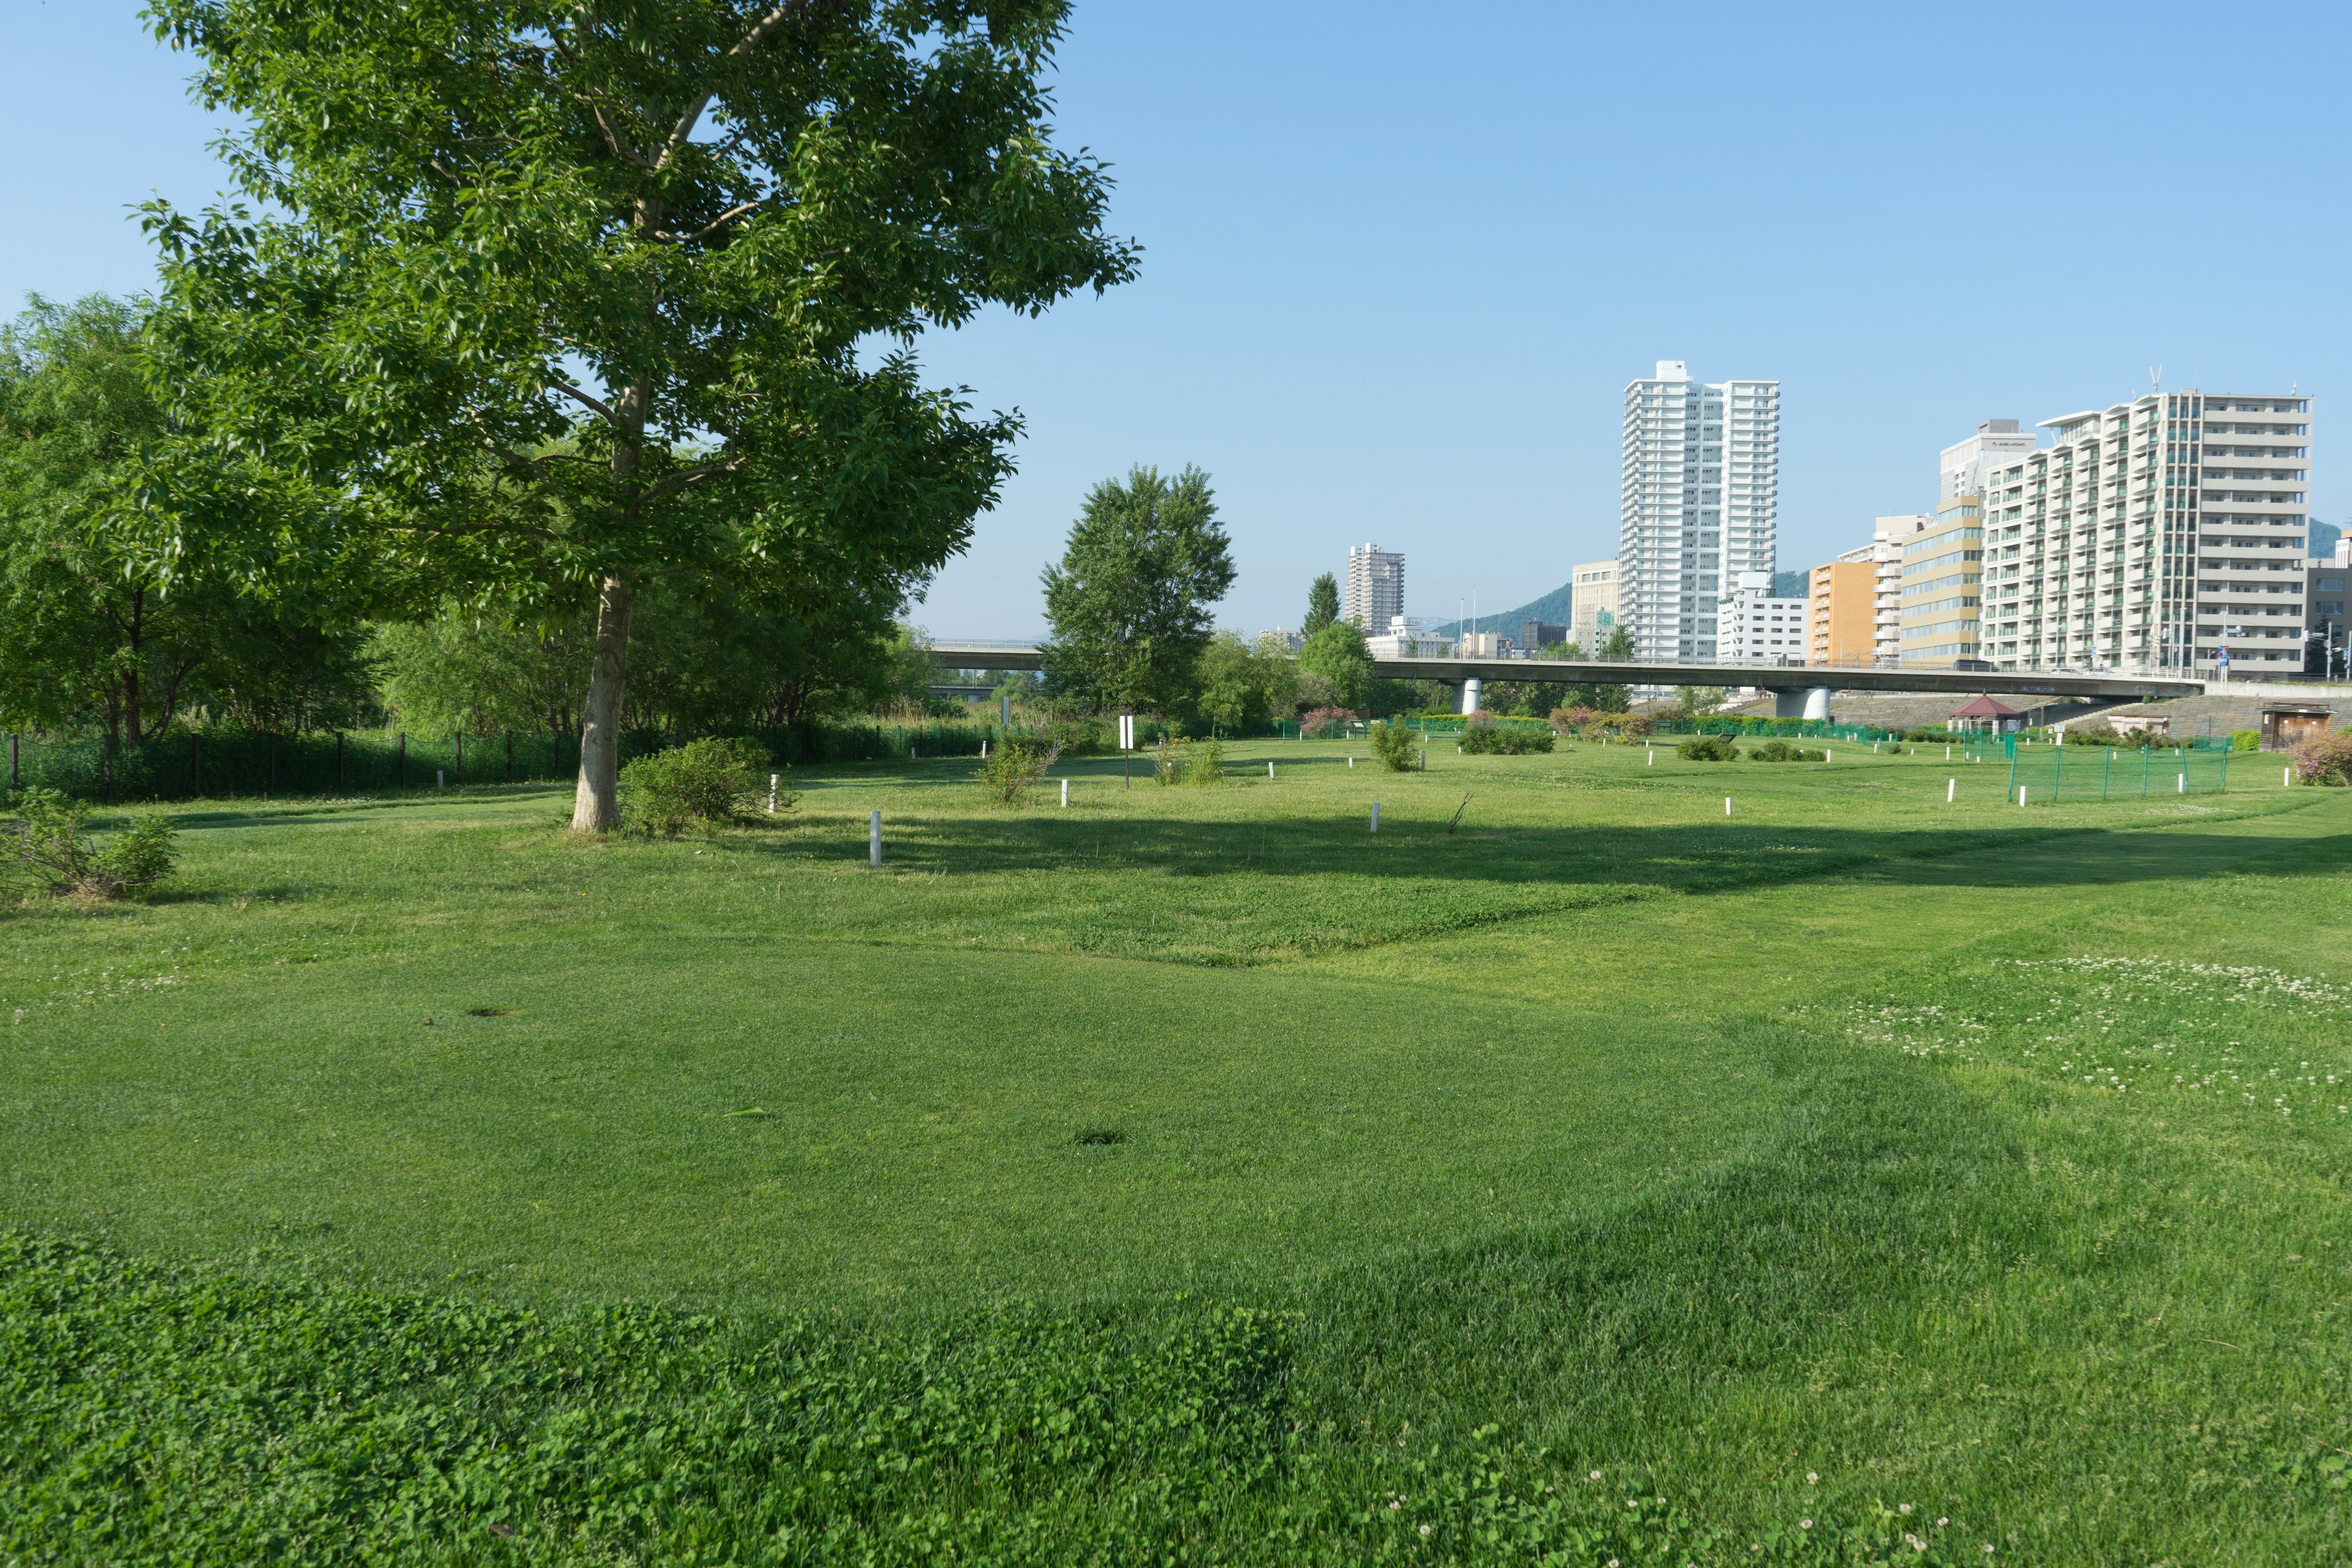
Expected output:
(1701, 503)
(1375, 587)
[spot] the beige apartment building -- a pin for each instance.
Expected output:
(1592, 604)
(1943, 565)
(1838, 612)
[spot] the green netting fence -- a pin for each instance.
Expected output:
(2045, 775)
(191, 765)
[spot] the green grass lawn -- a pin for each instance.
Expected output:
(1191, 1175)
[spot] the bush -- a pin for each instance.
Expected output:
(1505, 739)
(2245, 740)
(49, 846)
(1393, 745)
(1325, 724)
(2326, 758)
(1781, 752)
(1930, 734)
(1708, 749)
(1076, 737)
(1014, 765)
(2107, 735)
(700, 782)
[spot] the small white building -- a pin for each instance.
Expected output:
(1753, 627)
(1405, 639)
(1484, 644)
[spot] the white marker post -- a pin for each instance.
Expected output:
(1951, 789)
(1269, 767)
(2286, 777)
(1830, 755)
(772, 780)
(1351, 764)
(1726, 805)
(1066, 794)
(1126, 751)
(2021, 795)
(440, 779)
(2183, 788)
(1654, 758)
(874, 838)
(1376, 817)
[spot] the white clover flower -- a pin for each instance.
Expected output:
(1812, 1478)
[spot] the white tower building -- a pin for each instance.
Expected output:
(1701, 502)
(1375, 587)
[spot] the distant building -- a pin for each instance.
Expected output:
(1404, 638)
(1280, 638)
(1699, 504)
(1943, 565)
(1537, 635)
(1592, 606)
(1884, 553)
(1483, 645)
(1752, 626)
(2152, 534)
(1375, 592)
(2327, 634)
(1968, 465)
(1838, 612)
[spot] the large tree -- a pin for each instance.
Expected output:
(1322, 605)
(1129, 603)
(544, 299)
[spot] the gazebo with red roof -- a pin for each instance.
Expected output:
(1984, 713)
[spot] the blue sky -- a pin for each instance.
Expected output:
(1400, 261)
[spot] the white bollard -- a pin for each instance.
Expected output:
(1065, 792)
(1269, 769)
(1654, 758)
(1351, 764)
(1829, 755)
(1376, 817)
(1947, 753)
(2021, 795)
(773, 779)
(1951, 788)
(1726, 805)
(874, 838)
(983, 751)
(2183, 788)
(440, 779)
(2286, 778)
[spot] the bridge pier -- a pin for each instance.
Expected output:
(1469, 696)
(1806, 703)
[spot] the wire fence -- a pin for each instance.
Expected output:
(2047, 774)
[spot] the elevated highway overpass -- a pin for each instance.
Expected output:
(1799, 690)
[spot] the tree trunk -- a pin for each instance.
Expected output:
(596, 805)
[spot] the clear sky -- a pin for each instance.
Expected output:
(1401, 259)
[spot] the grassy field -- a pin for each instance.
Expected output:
(1569, 1172)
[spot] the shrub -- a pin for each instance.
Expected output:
(1708, 749)
(2326, 758)
(1325, 724)
(701, 781)
(1014, 765)
(1505, 739)
(1566, 719)
(1393, 745)
(49, 846)
(2245, 740)
(1930, 734)
(1208, 762)
(1074, 737)
(1781, 752)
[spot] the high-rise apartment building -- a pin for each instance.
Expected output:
(1700, 502)
(1592, 606)
(1375, 587)
(1884, 554)
(1943, 565)
(2153, 534)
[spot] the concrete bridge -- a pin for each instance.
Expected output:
(1800, 691)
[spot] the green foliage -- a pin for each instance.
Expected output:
(1325, 724)
(1242, 689)
(1931, 735)
(1014, 764)
(2103, 734)
(88, 634)
(1343, 659)
(1396, 746)
(1322, 605)
(1778, 751)
(1708, 749)
(1129, 601)
(1201, 763)
(1698, 701)
(49, 847)
(2326, 758)
(702, 782)
(1505, 739)
(2245, 740)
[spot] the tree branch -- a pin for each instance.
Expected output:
(713, 226)
(687, 481)
(573, 393)
(764, 30)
